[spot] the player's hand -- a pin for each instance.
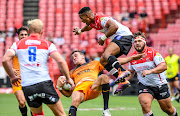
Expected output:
(100, 41)
(76, 29)
(138, 56)
(72, 84)
(15, 81)
(146, 72)
(61, 81)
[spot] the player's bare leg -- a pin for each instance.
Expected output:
(167, 107)
(22, 102)
(77, 98)
(171, 90)
(37, 111)
(102, 83)
(57, 109)
(145, 99)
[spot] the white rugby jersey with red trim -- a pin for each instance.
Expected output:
(152, 59)
(33, 53)
(100, 25)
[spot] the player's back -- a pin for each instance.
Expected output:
(33, 53)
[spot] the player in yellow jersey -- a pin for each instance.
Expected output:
(22, 33)
(88, 84)
(173, 61)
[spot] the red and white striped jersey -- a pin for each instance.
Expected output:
(33, 53)
(152, 59)
(100, 25)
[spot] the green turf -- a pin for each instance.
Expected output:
(9, 106)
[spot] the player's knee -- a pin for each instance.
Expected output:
(104, 79)
(169, 110)
(105, 56)
(22, 103)
(146, 107)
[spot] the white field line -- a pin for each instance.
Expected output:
(101, 109)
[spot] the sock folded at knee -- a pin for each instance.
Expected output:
(72, 111)
(111, 70)
(148, 114)
(23, 110)
(175, 113)
(38, 114)
(112, 60)
(105, 92)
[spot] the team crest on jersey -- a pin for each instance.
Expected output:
(102, 18)
(157, 54)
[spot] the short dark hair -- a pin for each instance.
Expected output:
(81, 52)
(84, 9)
(22, 28)
(139, 34)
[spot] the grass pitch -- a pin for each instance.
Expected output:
(120, 106)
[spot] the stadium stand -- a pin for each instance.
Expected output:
(62, 16)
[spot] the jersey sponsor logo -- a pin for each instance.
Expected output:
(34, 96)
(32, 42)
(102, 18)
(38, 64)
(163, 94)
(84, 71)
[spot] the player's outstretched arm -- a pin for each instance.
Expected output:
(8, 68)
(128, 59)
(78, 31)
(62, 66)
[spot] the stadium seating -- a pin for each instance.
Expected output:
(168, 37)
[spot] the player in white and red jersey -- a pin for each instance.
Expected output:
(152, 79)
(121, 36)
(33, 53)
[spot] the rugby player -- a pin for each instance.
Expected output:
(152, 79)
(121, 43)
(32, 53)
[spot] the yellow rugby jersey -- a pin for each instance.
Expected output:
(172, 66)
(16, 65)
(86, 72)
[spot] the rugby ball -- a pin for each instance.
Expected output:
(66, 86)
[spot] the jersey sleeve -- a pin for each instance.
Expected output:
(52, 48)
(13, 48)
(130, 67)
(104, 21)
(158, 59)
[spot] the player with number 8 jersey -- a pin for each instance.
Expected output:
(33, 53)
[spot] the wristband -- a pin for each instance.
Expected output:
(103, 37)
(79, 31)
(59, 88)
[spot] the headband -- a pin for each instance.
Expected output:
(140, 38)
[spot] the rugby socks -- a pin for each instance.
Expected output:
(72, 111)
(112, 60)
(23, 111)
(148, 114)
(175, 113)
(31, 113)
(111, 70)
(38, 114)
(105, 92)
